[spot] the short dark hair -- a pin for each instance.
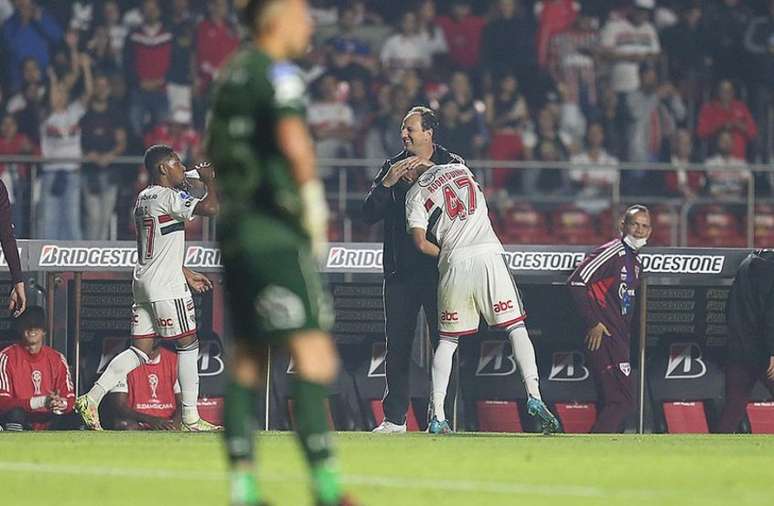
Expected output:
(33, 318)
(253, 9)
(155, 155)
(427, 117)
(632, 210)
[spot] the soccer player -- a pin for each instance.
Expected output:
(447, 204)
(163, 306)
(410, 278)
(273, 222)
(35, 387)
(148, 398)
(750, 313)
(603, 288)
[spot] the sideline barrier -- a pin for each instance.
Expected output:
(682, 314)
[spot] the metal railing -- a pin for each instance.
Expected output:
(351, 178)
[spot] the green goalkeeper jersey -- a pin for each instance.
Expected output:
(259, 194)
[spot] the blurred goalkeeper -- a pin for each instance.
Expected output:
(750, 314)
(273, 226)
(603, 287)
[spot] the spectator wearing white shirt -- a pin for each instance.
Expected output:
(59, 215)
(331, 121)
(595, 181)
(408, 48)
(734, 177)
(685, 183)
(629, 41)
(433, 35)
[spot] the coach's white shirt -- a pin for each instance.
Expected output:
(448, 202)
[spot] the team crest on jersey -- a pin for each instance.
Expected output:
(37, 380)
(625, 368)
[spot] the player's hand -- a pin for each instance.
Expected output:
(396, 172)
(314, 216)
(198, 282)
(595, 335)
(18, 300)
(770, 370)
(206, 171)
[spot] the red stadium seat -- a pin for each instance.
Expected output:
(685, 417)
(522, 224)
(761, 416)
(666, 225)
(211, 409)
(378, 412)
(577, 418)
(575, 226)
(764, 226)
(498, 416)
(716, 226)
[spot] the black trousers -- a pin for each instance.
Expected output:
(402, 301)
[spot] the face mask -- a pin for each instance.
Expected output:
(634, 243)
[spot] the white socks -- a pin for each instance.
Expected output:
(116, 371)
(524, 353)
(188, 376)
(442, 366)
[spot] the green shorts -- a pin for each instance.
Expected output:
(274, 294)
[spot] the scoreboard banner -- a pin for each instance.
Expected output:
(366, 258)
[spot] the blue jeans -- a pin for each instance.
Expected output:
(59, 209)
(147, 109)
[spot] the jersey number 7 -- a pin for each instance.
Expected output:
(452, 202)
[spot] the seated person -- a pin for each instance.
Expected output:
(36, 391)
(148, 398)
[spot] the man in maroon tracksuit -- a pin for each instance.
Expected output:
(603, 288)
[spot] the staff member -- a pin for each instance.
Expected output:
(18, 296)
(750, 313)
(603, 288)
(410, 278)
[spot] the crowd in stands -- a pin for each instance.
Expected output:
(593, 83)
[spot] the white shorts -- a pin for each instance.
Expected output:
(479, 285)
(167, 319)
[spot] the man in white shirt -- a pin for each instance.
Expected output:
(596, 179)
(733, 177)
(331, 121)
(407, 49)
(447, 204)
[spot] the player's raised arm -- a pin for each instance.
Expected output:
(209, 205)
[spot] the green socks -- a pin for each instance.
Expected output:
(238, 422)
(244, 488)
(311, 420)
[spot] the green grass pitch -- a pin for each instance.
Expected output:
(172, 469)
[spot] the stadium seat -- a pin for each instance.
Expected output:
(685, 417)
(666, 224)
(211, 409)
(522, 224)
(572, 225)
(764, 226)
(576, 418)
(498, 416)
(378, 412)
(761, 416)
(715, 225)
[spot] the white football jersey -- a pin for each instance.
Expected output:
(160, 214)
(448, 202)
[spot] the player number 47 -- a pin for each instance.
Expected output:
(452, 202)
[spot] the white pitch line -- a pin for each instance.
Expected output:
(490, 487)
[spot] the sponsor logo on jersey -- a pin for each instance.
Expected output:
(377, 368)
(450, 316)
(495, 359)
(200, 256)
(165, 323)
(351, 258)
(52, 255)
(568, 366)
(685, 362)
(503, 305)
